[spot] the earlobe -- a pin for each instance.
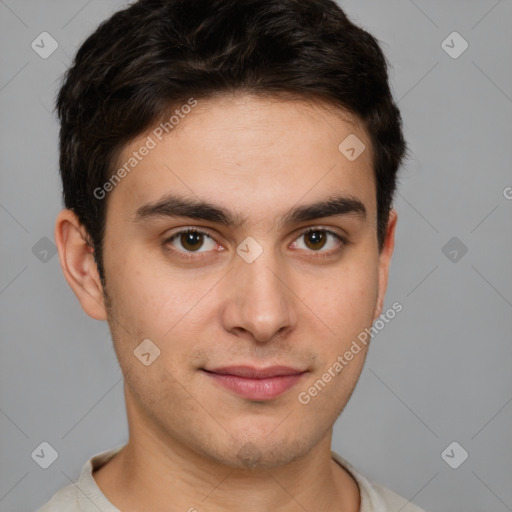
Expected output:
(78, 265)
(385, 260)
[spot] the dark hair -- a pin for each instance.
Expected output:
(156, 54)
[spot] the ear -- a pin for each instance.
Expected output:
(78, 265)
(384, 261)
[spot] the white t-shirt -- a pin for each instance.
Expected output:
(85, 496)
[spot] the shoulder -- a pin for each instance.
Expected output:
(375, 497)
(65, 499)
(83, 495)
(394, 501)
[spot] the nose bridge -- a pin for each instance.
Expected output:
(260, 302)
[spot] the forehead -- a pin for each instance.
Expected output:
(251, 152)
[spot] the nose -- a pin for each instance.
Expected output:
(259, 303)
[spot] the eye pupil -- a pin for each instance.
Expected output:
(191, 240)
(317, 239)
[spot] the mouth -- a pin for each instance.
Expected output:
(256, 384)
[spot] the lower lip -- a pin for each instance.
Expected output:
(256, 389)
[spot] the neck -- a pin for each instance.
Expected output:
(146, 476)
(157, 473)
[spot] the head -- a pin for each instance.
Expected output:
(228, 118)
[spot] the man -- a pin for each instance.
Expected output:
(228, 170)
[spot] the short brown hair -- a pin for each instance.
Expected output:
(156, 54)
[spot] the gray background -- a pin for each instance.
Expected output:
(438, 373)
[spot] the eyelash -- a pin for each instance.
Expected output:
(321, 254)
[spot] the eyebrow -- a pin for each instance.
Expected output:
(173, 205)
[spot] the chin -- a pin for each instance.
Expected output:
(260, 453)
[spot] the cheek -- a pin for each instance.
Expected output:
(345, 300)
(168, 308)
(345, 304)
(150, 299)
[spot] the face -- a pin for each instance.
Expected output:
(256, 302)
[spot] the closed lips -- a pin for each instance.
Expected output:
(249, 372)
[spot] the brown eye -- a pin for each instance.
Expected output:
(315, 239)
(323, 241)
(190, 241)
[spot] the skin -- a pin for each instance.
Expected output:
(193, 444)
